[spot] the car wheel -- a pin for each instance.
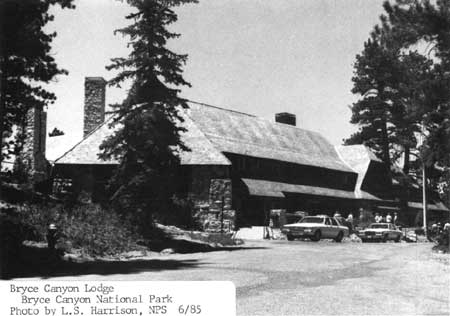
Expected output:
(398, 239)
(317, 235)
(339, 237)
(290, 237)
(385, 238)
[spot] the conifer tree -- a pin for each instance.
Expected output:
(390, 83)
(25, 63)
(147, 139)
(428, 23)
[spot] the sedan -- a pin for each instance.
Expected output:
(315, 228)
(381, 232)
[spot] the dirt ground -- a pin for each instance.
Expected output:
(305, 278)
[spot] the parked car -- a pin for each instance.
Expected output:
(315, 228)
(381, 232)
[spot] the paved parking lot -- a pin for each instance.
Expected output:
(308, 278)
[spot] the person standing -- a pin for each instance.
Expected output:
(350, 222)
(388, 218)
(339, 217)
(378, 218)
(395, 218)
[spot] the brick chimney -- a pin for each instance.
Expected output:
(285, 118)
(94, 103)
(33, 151)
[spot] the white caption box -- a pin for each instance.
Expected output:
(77, 298)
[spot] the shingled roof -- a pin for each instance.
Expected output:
(212, 131)
(279, 189)
(358, 157)
(241, 133)
(202, 152)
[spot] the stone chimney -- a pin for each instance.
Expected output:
(33, 151)
(94, 103)
(285, 118)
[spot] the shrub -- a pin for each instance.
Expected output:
(89, 227)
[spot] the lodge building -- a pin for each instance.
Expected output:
(245, 166)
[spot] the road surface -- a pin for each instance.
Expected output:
(306, 278)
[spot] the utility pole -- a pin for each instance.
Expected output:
(424, 199)
(424, 185)
(221, 214)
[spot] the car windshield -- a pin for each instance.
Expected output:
(315, 220)
(378, 225)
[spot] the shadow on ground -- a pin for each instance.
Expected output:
(40, 262)
(188, 246)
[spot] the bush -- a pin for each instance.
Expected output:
(179, 213)
(89, 227)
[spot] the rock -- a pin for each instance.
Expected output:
(411, 236)
(238, 241)
(30, 243)
(133, 254)
(167, 251)
(71, 257)
(354, 238)
(421, 238)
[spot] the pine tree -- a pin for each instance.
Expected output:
(427, 23)
(25, 63)
(147, 138)
(390, 83)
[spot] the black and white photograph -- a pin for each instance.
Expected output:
(225, 157)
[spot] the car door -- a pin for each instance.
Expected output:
(335, 228)
(397, 232)
(392, 233)
(328, 229)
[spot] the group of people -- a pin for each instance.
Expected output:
(349, 221)
(439, 227)
(345, 221)
(388, 219)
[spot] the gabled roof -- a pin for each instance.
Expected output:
(87, 150)
(212, 131)
(241, 133)
(202, 152)
(358, 158)
(279, 189)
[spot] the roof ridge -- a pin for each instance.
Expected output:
(258, 117)
(84, 138)
(336, 148)
(220, 108)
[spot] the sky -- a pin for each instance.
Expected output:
(255, 56)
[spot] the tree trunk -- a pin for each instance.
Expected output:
(406, 164)
(385, 143)
(2, 114)
(2, 93)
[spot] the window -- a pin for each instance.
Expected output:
(314, 220)
(383, 226)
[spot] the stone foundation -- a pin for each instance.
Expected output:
(216, 214)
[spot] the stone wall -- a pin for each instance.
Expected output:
(220, 216)
(209, 188)
(94, 103)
